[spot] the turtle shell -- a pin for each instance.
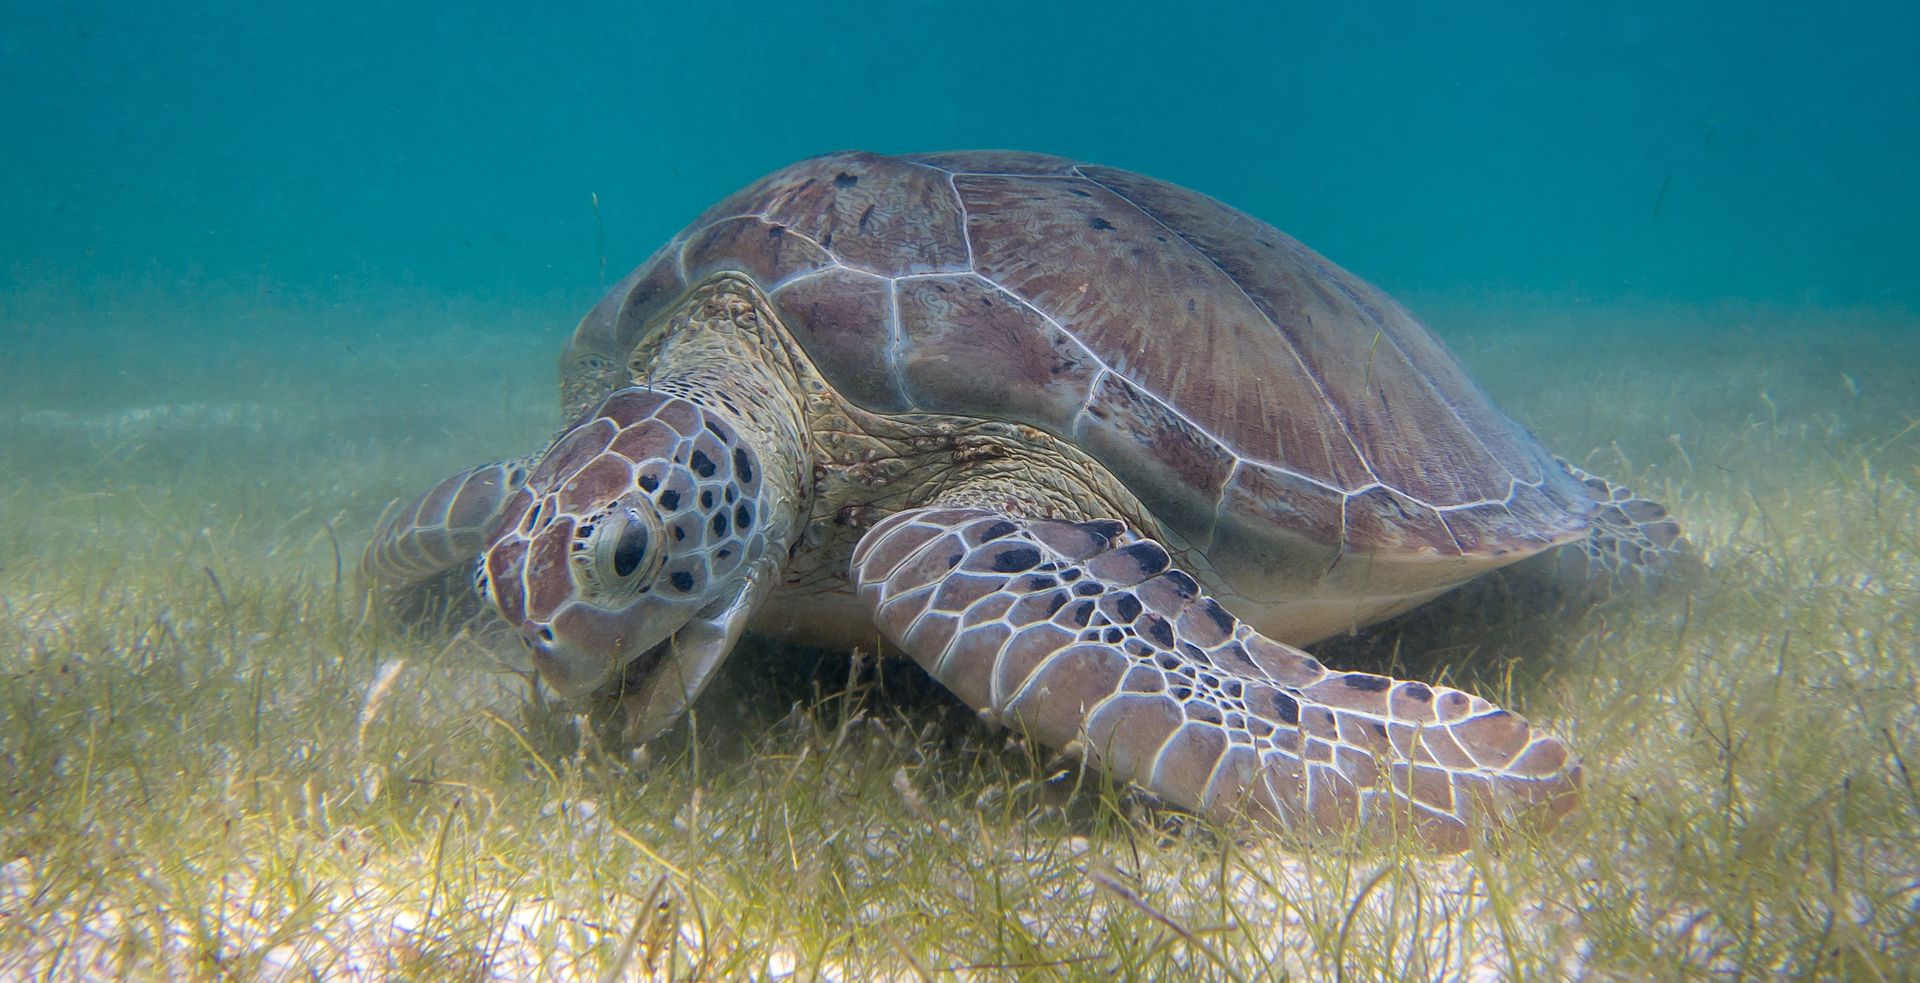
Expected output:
(1272, 409)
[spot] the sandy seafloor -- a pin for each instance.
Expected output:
(241, 436)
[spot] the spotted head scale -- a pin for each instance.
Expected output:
(633, 547)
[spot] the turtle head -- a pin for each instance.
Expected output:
(635, 551)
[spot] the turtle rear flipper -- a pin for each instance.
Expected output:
(1084, 636)
(426, 549)
(1632, 542)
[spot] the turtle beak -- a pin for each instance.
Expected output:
(663, 662)
(571, 670)
(584, 647)
(666, 686)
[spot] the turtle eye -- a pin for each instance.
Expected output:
(619, 554)
(629, 548)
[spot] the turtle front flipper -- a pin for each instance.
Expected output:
(1084, 636)
(442, 531)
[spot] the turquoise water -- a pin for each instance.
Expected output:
(1757, 151)
(267, 268)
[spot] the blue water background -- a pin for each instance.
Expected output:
(322, 155)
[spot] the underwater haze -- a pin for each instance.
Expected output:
(268, 269)
(1692, 151)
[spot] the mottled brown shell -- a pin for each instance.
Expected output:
(1246, 389)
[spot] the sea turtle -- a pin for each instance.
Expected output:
(1093, 449)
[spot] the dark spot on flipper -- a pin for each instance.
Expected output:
(953, 560)
(997, 530)
(1016, 560)
(1037, 583)
(743, 516)
(1365, 682)
(1158, 631)
(866, 215)
(1204, 712)
(776, 232)
(1128, 607)
(1113, 636)
(1054, 604)
(719, 523)
(845, 180)
(1418, 691)
(1234, 656)
(1107, 529)
(670, 500)
(1089, 588)
(706, 498)
(1286, 709)
(1099, 224)
(649, 483)
(1070, 574)
(1081, 614)
(1182, 583)
(702, 465)
(682, 581)
(1151, 557)
(1212, 609)
(718, 430)
(742, 465)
